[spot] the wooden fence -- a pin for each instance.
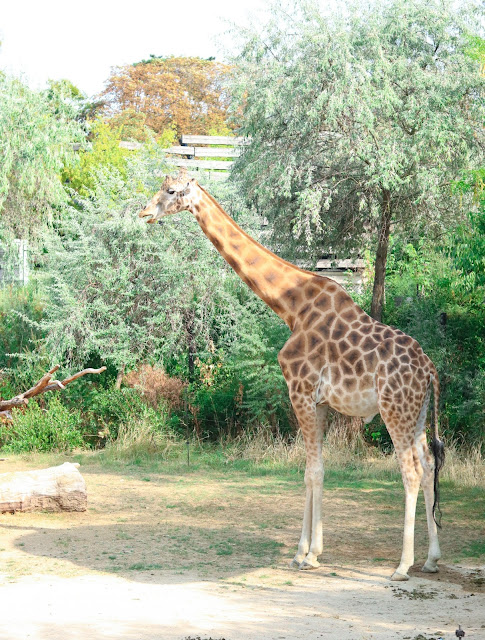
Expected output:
(214, 154)
(14, 262)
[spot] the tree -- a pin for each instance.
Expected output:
(359, 124)
(37, 133)
(104, 152)
(71, 97)
(124, 291)
(183, 93)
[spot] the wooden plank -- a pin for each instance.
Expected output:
(183, 151)
(325, 263)
(215, 152)
(229, 140)
(200, 174)
(132, 146)
(202, 164)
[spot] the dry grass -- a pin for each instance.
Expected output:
(344, 446)
(140, 439)
(465, 468)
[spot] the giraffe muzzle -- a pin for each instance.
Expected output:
(147, 213)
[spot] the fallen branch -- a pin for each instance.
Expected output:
(45, 384)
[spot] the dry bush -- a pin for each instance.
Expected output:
(155, 386)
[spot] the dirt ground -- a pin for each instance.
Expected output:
(206, 554)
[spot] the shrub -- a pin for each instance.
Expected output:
(445, 318)
(21, 310)
(53, 428)
(155, 386)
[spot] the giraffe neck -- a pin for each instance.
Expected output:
(274, 280)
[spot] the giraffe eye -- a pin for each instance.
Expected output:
(171, 191)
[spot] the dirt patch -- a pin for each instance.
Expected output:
(470, 580)
(206, 554)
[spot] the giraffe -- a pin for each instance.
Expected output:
(336, 357)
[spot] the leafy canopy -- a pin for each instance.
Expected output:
(37, 132)
(376, 109)
(184, 93)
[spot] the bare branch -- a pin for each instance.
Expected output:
(66, 381)
(45, 384)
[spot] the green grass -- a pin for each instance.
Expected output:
(140, 566)
(215, 484)
(474, 549)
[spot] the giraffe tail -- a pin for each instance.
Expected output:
(437, 448)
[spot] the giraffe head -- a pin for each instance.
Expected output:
(176, 194)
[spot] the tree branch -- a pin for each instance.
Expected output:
(45, 384)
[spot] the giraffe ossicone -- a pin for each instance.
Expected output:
(336, 357)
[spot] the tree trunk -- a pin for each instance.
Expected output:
(381, 257)
(191, 347)
(59, 488)
(120, 376)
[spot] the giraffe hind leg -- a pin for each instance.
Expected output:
(427, 482)
(411, 472)
(402, 432)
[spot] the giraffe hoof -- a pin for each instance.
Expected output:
(430, 568)
(295, 563)
(399, 577)
(306, 565)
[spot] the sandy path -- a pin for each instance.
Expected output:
(349, 606)
(169, 557)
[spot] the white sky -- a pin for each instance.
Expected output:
(81, 41)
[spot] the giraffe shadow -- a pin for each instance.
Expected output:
(142, 553)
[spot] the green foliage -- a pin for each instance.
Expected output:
(466, 245)
(241, 385)
(107, 411)
(36, 137)
(126, 292)
(122, 293)
(254, 363)
(63, 96)
(21, 309)
(105, 153)
(53, 428)
(424, 284)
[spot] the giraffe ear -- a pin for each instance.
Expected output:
(185, 191)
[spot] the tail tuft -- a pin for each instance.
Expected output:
(438, 450)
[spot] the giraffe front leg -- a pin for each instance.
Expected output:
(314, 483)
(312, 422)
(306, 531)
